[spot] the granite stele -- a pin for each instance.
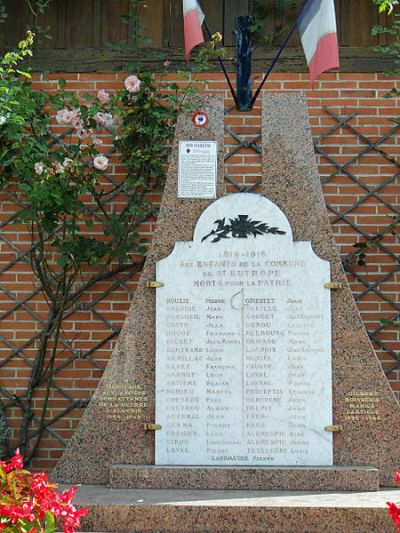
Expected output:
(243, 365)
(243, 362)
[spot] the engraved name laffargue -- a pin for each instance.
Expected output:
(240, 228)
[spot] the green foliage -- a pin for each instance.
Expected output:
(52, 178)
(393, 32)
(360, 254)
(77, 240)
(390, 323)
(386, 5)
(16, 104)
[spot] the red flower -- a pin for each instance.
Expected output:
(34, 496)
(17, 461)
(5, 466)
(398, 477)
(394, 512)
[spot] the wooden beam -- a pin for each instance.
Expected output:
(105, 60)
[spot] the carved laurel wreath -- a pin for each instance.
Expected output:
(240, 228)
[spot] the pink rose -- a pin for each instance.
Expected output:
(100, 162)
(103, 96)
(80, 129)
(104, 119)
(68, 117)
(132, 84)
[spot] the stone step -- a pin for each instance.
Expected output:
(211, 511)
(354, 478)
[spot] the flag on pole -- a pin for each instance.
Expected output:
(317, 26)
(193, 18)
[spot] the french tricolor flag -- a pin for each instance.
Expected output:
(317, 26)
(193, 18)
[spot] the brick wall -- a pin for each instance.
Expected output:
(90, 334)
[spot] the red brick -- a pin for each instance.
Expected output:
(344, 94)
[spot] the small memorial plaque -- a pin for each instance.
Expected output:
(243, 355)
(197, 175)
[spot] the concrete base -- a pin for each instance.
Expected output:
(200, 511)
(245, 478)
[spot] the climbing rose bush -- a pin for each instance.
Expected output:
(30, 503)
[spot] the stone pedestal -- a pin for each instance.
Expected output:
(234, 511)
(341, 478)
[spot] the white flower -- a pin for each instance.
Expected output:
(39, 168)
(104, 119)
(59, 168)
(100, 162)
(2, 120)
(67, 163)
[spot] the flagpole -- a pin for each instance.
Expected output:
(288, 36)
(222, 65)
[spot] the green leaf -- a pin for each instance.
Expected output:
(62, 83)
(389, 323)
(23, 73)
(25, 187)
(27, 526)
(62, 262)
(50, 523)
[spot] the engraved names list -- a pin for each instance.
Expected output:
(243, 368)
